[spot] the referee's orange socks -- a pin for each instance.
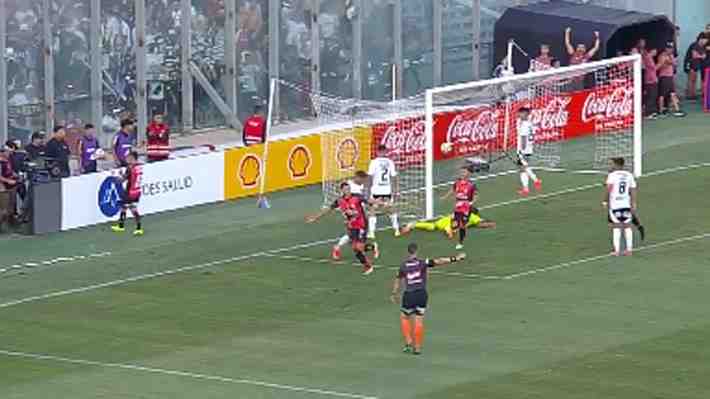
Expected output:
(406, 326)
(418, 332)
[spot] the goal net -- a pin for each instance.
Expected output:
(582, 116)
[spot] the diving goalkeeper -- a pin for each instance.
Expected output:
(445, 224)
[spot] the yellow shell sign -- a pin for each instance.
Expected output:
(290, 163)
(300, 160)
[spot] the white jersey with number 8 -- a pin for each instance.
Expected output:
(619, 183)
(382, 170)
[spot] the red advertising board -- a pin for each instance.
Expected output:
(482, 129)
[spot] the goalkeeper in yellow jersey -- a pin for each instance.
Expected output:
(445, 224)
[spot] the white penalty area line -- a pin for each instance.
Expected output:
(307, 245)
(51, 262)
(605, 256)
(184, 374)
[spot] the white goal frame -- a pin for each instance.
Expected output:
(429, 109)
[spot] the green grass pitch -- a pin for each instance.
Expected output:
(220, 301)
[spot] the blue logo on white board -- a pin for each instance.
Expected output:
(110, 196)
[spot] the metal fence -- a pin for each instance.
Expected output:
(206, 63)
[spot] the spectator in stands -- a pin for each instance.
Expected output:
(650, 83)
(124, 141)
(667, 97)
(158, 139)
(255, 127)
(88, 150)
(556, 63)
(695, 59)
(36, 148)
(579, 54)
(542, 61)
(58, 152)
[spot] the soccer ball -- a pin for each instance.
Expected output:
(98, 154)
(446, 147)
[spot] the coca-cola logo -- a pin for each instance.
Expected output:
(465, 129)
(615, 105)
(405, 137)
(555, 114)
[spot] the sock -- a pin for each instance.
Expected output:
(406, 326)
(418, 332)
(122, 218)
(616, 233)
(372, 224)
(629, 238)
(395, 221)
(530, 173)
(462, 235)
(362, 258)
(137, 217)
(525, 180)
(343, 240)
(369, 247)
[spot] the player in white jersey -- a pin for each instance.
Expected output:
(383, 189)
(357, 186)
(526, 139)
(620, 200)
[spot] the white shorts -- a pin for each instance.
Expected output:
(620, 216)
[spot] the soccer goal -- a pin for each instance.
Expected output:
(582, 116)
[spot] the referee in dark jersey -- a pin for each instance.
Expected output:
(412, 276)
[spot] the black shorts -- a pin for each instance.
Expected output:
(620, 216)
(127, 201)
(523, 159)
(666, 86)
(461, 219)
(386, 198)
(357, 235)
(414, 302)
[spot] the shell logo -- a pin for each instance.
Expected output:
(347, 153)
(299, 162)
(249, 170)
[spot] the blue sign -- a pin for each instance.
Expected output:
(110, 194)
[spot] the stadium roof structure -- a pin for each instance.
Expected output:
(545, 22)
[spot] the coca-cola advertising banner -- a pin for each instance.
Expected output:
(482, 129)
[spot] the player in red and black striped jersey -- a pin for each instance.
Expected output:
(352, 207)
(412, 277)
(464, 192)
(131, 195)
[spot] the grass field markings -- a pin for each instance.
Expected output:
(308, 245)
(53, 261)
(376, 266)
(606, 256)
(185, 374)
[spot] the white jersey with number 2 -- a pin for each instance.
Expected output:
(382, 170)
(619, 184)
(526, 137)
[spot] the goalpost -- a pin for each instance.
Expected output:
(583, 115)
(573, 108)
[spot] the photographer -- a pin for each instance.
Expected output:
(36, 148)
(58, 151)
(10, 187)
